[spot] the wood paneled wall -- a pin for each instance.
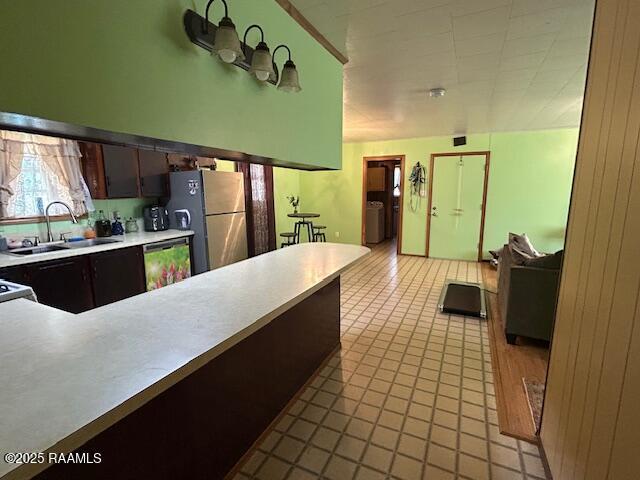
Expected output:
(591, 422)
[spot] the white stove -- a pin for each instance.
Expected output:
(11, 291)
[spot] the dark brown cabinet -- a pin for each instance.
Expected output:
(154, 173)
(120, 171)
(63, 284)
(77, 284)
(117, 274)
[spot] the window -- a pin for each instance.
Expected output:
(36, 170)
(396, 180)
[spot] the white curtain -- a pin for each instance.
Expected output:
(10, 162)
(59, 156)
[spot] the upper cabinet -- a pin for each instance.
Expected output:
(154, 170)
(122, 172)
(376, 179)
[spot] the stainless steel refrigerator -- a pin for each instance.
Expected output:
(215, 201)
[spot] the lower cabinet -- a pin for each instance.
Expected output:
(64, 284)
(77, 284)
(117, 274)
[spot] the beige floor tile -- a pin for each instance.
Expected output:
(391, 420)
(373, 398)
(501, 473)
(288, 449)
(395, 404)
(365, 473)
(336, 420)
(254, 461)
(325, 438)
(473, 468)
(299, 474)
(301, 429)
(273, 469)
(313, 459)
(346, 406)
(270, 441)
(444, 436)
(415, 427)
(473, 445)
(340, 469)
(377, 458)
(533, 465)
(359, 428)
(406, 468)
(442, 457)
(504, 456)
(473, 427)
(313, 413)
(350, 447)
(434, 473)
(412, 447)
(385, 437)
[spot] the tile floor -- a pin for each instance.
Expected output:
(408, 396)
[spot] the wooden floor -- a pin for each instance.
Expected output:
(510, 364)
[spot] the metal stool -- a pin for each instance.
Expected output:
(289, 238)
(299, 226)
(318, 235)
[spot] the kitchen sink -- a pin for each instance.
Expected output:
(36, 250)
(93, 242)
(48, 248)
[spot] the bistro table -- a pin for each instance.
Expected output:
(302, 223)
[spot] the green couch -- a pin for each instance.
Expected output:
(527, 294)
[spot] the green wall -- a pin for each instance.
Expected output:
(128, 66)
(529, 187)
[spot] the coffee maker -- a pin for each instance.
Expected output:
(156, 218)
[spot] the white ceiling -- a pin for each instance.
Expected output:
(507, 65)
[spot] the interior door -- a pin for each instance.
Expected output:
(456, 206)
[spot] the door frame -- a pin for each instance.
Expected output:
(487, 164)
(365, 163)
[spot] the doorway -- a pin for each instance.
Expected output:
(457, 201)
(382, 199)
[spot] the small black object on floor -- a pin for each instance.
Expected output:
(463, 299)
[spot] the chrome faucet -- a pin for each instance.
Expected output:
(46, 216)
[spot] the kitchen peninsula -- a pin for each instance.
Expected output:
(175, 383)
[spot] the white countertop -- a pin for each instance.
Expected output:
(64, 378)
(127, 240)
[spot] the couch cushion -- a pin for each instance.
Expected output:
(518, 256)
(551, 262)
(523, 244)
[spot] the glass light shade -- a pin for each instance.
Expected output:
(261, 62)
(227, 43)
(289, 81)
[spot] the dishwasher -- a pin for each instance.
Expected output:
(166, 263)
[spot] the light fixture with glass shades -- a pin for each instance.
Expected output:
(289, 81)
(261, 62)
(222, 40)
(226, 44)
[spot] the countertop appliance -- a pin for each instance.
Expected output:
(183, 219)
(166, 263)
(12, 291)
(216, 202)
(156, 218)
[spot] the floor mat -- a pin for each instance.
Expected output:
(535, 397)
